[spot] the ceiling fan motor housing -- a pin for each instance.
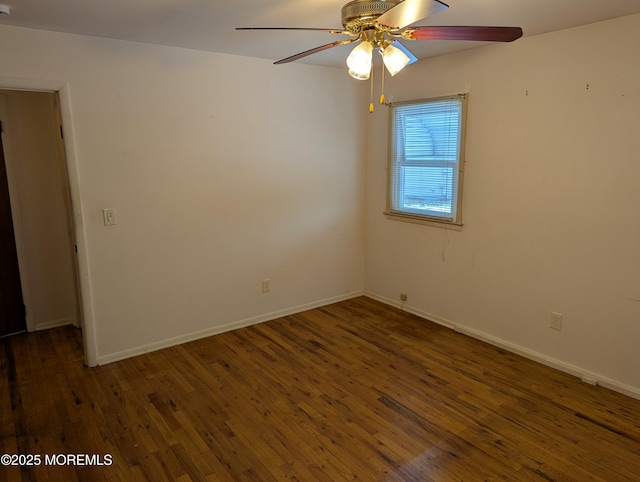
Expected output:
(360, 14)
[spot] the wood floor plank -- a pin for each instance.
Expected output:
(356, 390)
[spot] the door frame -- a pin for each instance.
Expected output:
(62, 89)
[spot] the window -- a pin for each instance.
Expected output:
(426, 160)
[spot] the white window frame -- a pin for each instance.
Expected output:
(397, 208)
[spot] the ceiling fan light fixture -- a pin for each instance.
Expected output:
(394, 59)
(359, 61)
(358, 76)
(381, 24)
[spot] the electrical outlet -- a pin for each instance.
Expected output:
(403, 297)
(556, 321)
(266, 285)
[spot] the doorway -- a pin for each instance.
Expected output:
(12, 312)
(38, 216)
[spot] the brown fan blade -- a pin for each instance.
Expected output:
(410, 11)
(482, 34)
(313, 51)
(330, 30)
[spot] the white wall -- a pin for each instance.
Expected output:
(39, 200)
(223, 170)
(551, 199)
(226, 170)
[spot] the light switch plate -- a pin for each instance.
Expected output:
(109, 216)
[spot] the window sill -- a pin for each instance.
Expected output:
(424, 220)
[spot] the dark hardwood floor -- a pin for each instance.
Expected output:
(352, 391)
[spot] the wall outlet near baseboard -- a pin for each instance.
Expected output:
(266, 285)
(556, 321)
(403, 297)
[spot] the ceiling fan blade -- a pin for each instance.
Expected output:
(483, 34)
(410, 11)
(330, 30)
(314, 51)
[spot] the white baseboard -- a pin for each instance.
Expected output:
(47, 325)
(585, 375)
(216, 330)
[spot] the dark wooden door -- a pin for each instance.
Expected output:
(12, 314)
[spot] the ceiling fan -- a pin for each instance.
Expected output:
(379, 24)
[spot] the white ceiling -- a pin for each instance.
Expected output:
(209, 24)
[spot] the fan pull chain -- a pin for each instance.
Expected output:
(382, 87)
(371, 93)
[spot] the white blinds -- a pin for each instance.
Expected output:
(425, 157)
